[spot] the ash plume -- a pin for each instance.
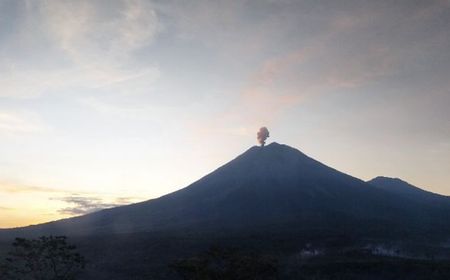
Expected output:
(262, 135)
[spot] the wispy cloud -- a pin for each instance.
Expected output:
(83, 204)
(64, 203)
(18, 122)
(17, 188)
(136, 112)
(341, 57)
(86, 28)
(87, 46)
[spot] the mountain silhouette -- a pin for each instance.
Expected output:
(407, 193)
(275, 188)
(405, 189)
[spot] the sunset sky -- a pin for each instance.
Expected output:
(108, 102)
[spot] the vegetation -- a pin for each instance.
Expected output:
(226, 264)
(146, 256)
(45, 258)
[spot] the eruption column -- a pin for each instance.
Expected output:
(262, 135)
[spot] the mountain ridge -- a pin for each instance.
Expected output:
(389, 182)
(272, 187)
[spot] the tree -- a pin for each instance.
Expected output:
(45, 258)
(226, 264)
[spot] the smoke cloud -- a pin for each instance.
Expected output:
(262, 135)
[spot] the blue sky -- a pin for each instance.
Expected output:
(111, 102)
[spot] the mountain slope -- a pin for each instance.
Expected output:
(272, 188)
(398, 186)
(407, 193)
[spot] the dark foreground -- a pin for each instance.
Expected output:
(157, 256)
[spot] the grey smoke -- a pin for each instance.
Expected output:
(262, 135)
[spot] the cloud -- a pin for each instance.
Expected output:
(321, 64)
(135, 112)
(125, 200)
(85, 29)
(16, 188)
(270, 90)
(19, 122)
(343, 56)
(102, 43)
(79, 44)
(83, 204)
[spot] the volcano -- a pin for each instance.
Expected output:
(275, 189)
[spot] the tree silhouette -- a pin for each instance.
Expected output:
(226, 264)
(45, 258)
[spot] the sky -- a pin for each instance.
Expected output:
(109, 102)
